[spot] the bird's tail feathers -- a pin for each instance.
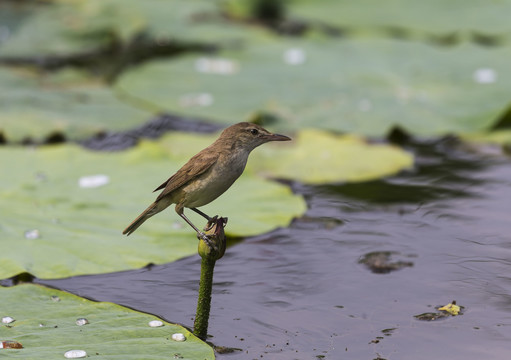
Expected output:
(150, 211)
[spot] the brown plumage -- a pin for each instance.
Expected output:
(208, 174)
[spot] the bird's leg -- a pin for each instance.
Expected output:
(201, 234)
(211, 220)
(205, 216)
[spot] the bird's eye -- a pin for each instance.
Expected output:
(254, 132)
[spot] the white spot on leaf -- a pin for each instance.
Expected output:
(155, 323)
(82, 321)
(485, 76)
(7, 320)
(178, 337)
(93, 181)
(32, 234)
(75, 354)
(199, 99)
(216, 66)
(294, 56)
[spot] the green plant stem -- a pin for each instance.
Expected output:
(200, 327)
(215, 232)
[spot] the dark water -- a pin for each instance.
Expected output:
(300, 292)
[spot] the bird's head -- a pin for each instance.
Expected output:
(249, 136)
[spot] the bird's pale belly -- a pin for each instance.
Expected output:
(211, 185)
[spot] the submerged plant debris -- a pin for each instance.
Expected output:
(380, 262)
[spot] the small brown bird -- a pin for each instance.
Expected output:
(208, 174)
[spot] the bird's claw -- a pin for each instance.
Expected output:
(211, 222)
(208, 241)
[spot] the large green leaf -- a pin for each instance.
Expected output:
(66, 27)
(35, 29)
(45, 325)
(366, 86)
(184, 20)
(79, 229)
(498, 137)
(34, 106)
(434, 16)
(319, 157)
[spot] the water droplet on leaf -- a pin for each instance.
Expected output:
(155, 323)
(200, 99)
(82, 321)
(485, 76)
(32, 234)
(75, 354)
(216, 66)
(7, 320)
(93, 181)
(178, 337)
(294, 56)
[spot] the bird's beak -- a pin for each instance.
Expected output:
(276, 137)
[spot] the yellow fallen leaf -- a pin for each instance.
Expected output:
(451, 308)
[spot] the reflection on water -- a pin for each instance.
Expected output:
(300, 292)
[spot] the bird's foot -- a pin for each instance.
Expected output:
(215, 221)
(211, 222)
(212, 239)
(207, 240)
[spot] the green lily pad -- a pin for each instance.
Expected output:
(499, 137)
(35, 106)
(366, 86)
(35, 29)
(318, 157)
(45, 325)
(69, 27)
(184, 20)
(51, 227)
(435, 16)
(398, 17)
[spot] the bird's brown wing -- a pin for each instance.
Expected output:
(197, 165)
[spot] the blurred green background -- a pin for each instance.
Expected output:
(81, 67)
